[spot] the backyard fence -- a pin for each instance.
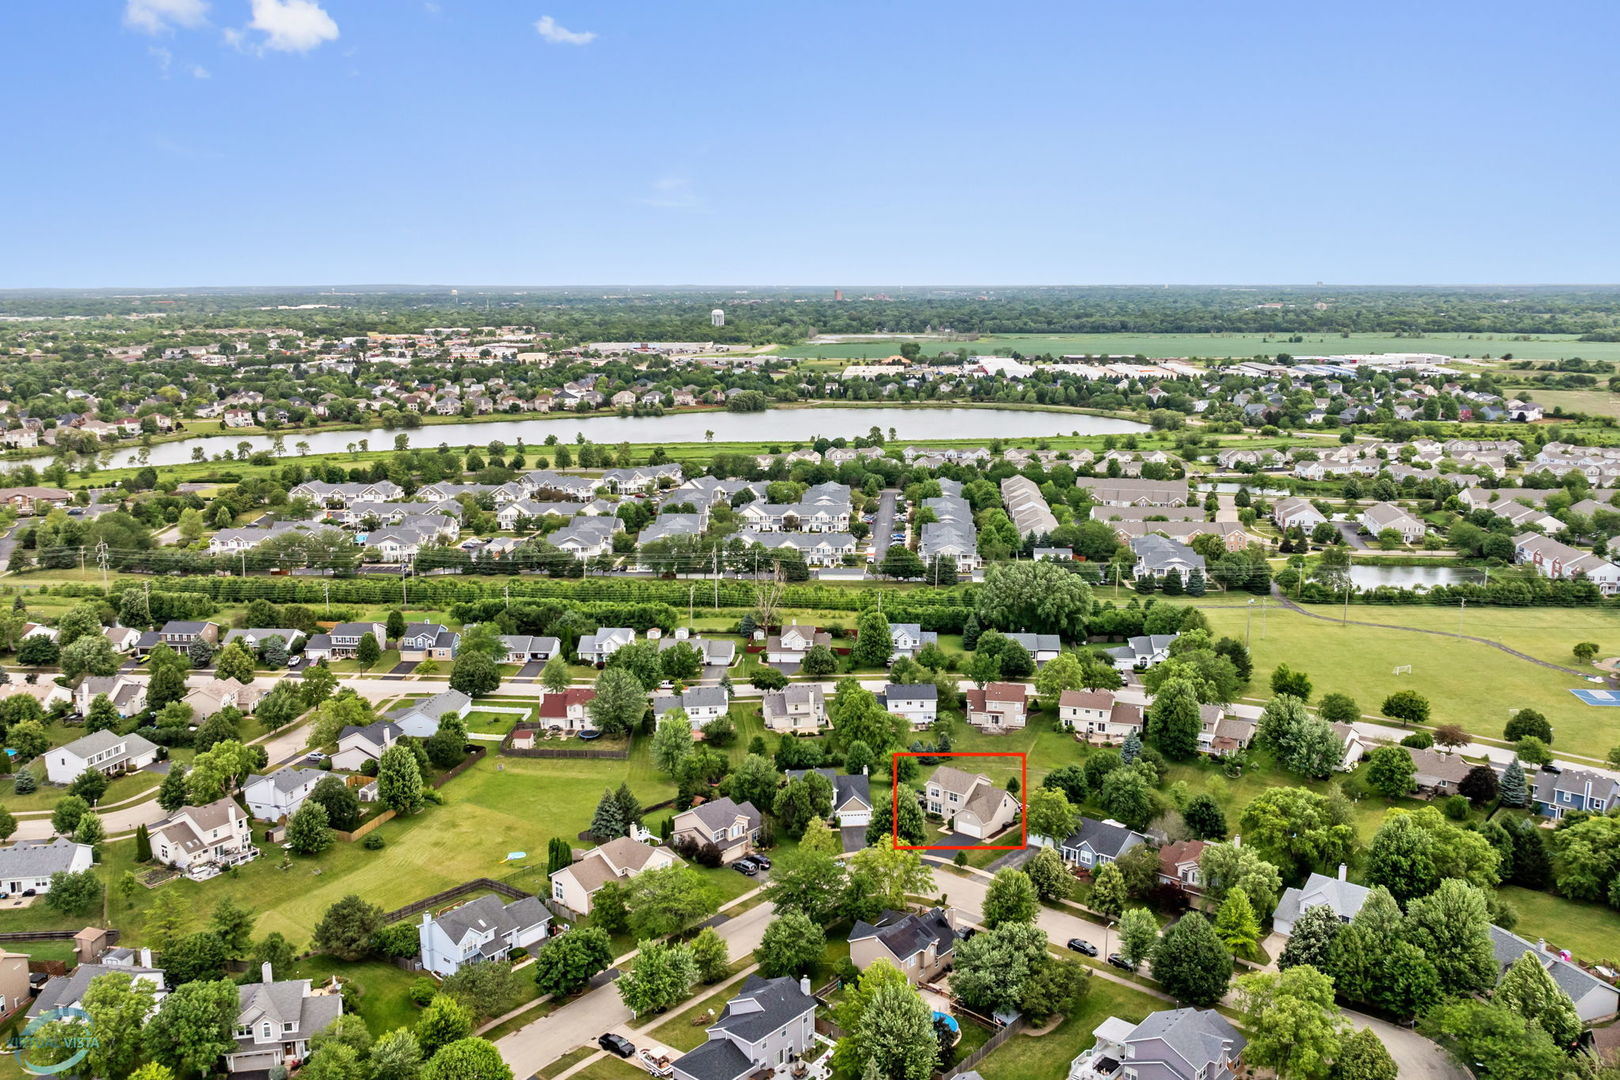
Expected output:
(979, 1055)
(538, 751)
(476, 885)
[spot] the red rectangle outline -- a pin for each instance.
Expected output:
(1023, 806)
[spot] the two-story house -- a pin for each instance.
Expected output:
(910, 639)
(428, 641)
(731, 827)
(969, 802)
(1178, 865)
(852, 797)
(1175, 1044)
(770, 1023)
(344, 639)
(567, 710)
(179, 635)
(358, 745)
(481, 929)
(917, 703)
(204, 841)
(1141, 652)
(105, 751)
(278, 796)
(793, 642)
(1344, 896)
(67, 991)
(700, 703)
(796, 709)
(607, 640)
(275, 1021)
(921, 945)
(1097, 717)
(575, 885)
(1556, 794)
(128, 696)
(999, 708)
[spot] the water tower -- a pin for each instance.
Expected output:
(717, 318)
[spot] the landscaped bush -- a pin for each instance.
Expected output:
(373, 842)
(1418, 740)
(423, 990)
(1456, 807)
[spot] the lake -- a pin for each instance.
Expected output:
(781, 427)
(1372, 575)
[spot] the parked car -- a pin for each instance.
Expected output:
(1082, 946)
(315, 756)
(759, 860)
(616, 1044)
(1120, 962)
(746, 865)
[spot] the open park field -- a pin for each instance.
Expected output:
(1526, 347)
(1466, 682)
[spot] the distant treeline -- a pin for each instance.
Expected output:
(790, 316)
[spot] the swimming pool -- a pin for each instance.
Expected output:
(950, 1021)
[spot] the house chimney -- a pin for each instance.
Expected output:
(146, 957)
(265, 973)
(804, 985)
(1342, 871)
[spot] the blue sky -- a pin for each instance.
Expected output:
(233, 142)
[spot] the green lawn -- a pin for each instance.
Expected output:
(493, 723)
(489, 812)
(567, 1061)
(384, 1002)
(1360, 661)
(1041, 1057)
(1590, 931)
(608, 1067)
(688, 1029)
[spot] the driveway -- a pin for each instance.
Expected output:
(404, 668)
(529, 670)
(883, 521)
(579, 1022)
(1351, 533)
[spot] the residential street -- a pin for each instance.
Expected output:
(601, 1010)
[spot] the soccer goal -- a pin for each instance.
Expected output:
(1403, 669)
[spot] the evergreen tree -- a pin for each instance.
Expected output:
(971, 632)
(143, 844)
(1132, 748)
(1513, 791)
(608, 822)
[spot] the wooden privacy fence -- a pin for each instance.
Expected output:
(978, 1055)
(479, 885)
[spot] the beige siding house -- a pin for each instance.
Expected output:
(617, 860)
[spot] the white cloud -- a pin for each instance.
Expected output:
(289, 25)
(199, 72)
(548, 28)
(156, 16)
(164, 58)
(674, 192)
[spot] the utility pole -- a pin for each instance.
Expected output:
(101, 561)
(328, 589)
(1462, 609)
(691, 594)
(717, 576)
(1349, 561)
(81, 559)
(1248, 623)
(244, 562)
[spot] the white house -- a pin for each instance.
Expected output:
(596, 648)
(280, 794)
(421, 719)
(700, 703)
(1382, 515)
(204, 841)
(481, 929)
(970, 803)
(29, 865)
(358, 745)
(793, 642)
(918, 703)
(909, 639)
(105, 751)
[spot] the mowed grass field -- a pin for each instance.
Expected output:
(1466, 682)
(1536, 347)
(1591, 402)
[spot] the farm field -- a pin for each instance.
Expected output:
(1592, 402)
(1466, 682)
(1527, 347)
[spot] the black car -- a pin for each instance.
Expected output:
(616, 1044)
(1120, 962)
(760, 861)
(746, 865)
(1082, 946)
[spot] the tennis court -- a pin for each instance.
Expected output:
(1598, 697)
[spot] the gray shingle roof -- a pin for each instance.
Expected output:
(780, 1001)
(717, 1059)
(905, 934)
(41, 860)
(1104, 837)
(101, 741)
(488, 912)
(1197, 1035)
